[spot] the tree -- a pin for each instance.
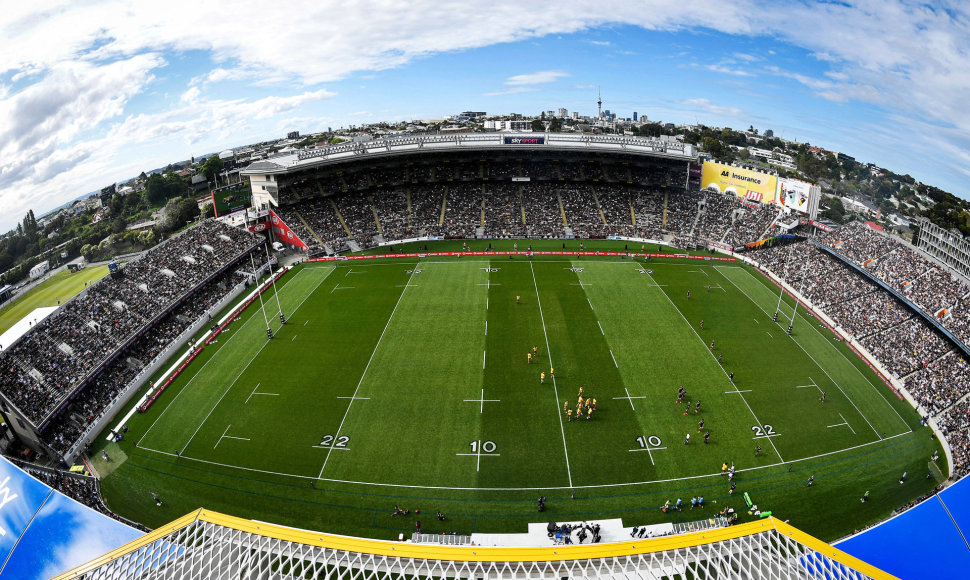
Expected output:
(538, 126)
(178, 212)
(211, 167)
(208, 211)
(555, 125)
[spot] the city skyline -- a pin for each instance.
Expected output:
(96, 93)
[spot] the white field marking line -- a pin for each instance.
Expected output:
(815, 384)
(629, 398)
(769, 334)
(294, 338)
(305, 323)
(403, 286)
(483, 400)
(737, 391)
(719, 366)
(806, 386)
(614, 359)
(364, 374)
(590, 304)
(601, 328)
(234, 437)
(554, 387)
(356, 398)
(220, 438)
(847, 424)
(483, 359)
(244, 369)
(718, 286)
(767, 437)
(486, 328)
(358, 272)
(756, 321)
(605, 485)
(583, 284)
(328, 447)
(649, 451)
(224, 393)
(486, 303)
(489, 284)
(348, 273)
(478, 466)
(339, 287)
(844, 357)
(234, 335)
(820, 366)
(253, 393)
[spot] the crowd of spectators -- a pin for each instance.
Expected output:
(48, 364)
(927, 284)
(934, 372)
(97, 397)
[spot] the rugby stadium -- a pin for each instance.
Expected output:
(455, 355)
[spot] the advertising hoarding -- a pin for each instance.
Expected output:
(744, 183)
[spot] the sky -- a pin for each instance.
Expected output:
(96, 91)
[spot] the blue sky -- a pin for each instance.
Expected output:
(95, 92)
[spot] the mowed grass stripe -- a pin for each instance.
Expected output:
(324, 351)
(868, 409)
(185, 413)
(582, 359)
(412, 426)
(657, 352)
(766, 365)
(525, 423)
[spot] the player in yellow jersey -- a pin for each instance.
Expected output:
(580, 399)
(565, 406)
(552, 371)
(593, 406)
(518, 299)
(569, 415)
(580, 391)
(542, 378)
(579, 409)
(535, 350)
(589, 413)
(530, 358)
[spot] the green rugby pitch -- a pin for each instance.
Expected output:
(407, 382)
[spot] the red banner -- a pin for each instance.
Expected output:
(259, 227)
(169, 380)
(148, 403)
(519, 253)
(284, 233)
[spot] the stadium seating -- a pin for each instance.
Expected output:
(64, 357)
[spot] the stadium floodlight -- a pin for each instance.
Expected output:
(206, 544)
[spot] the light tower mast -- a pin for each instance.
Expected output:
(599, 104)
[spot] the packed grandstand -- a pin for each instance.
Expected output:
(72, 369)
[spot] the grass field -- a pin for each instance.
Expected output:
(407, 382)
(59, 287)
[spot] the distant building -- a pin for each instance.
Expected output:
(563, 113)
(293, 135)
(508, 125)
(769, 133)
(634, 116)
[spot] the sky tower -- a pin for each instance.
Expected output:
(599, 104)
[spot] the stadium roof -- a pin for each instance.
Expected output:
(25, 324)
(391, 146)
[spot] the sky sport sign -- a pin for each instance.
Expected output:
(525, 140)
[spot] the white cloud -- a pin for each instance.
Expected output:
(728, 71)
(706, 106)
(70, 69)
(536, 78)
(512, 91)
